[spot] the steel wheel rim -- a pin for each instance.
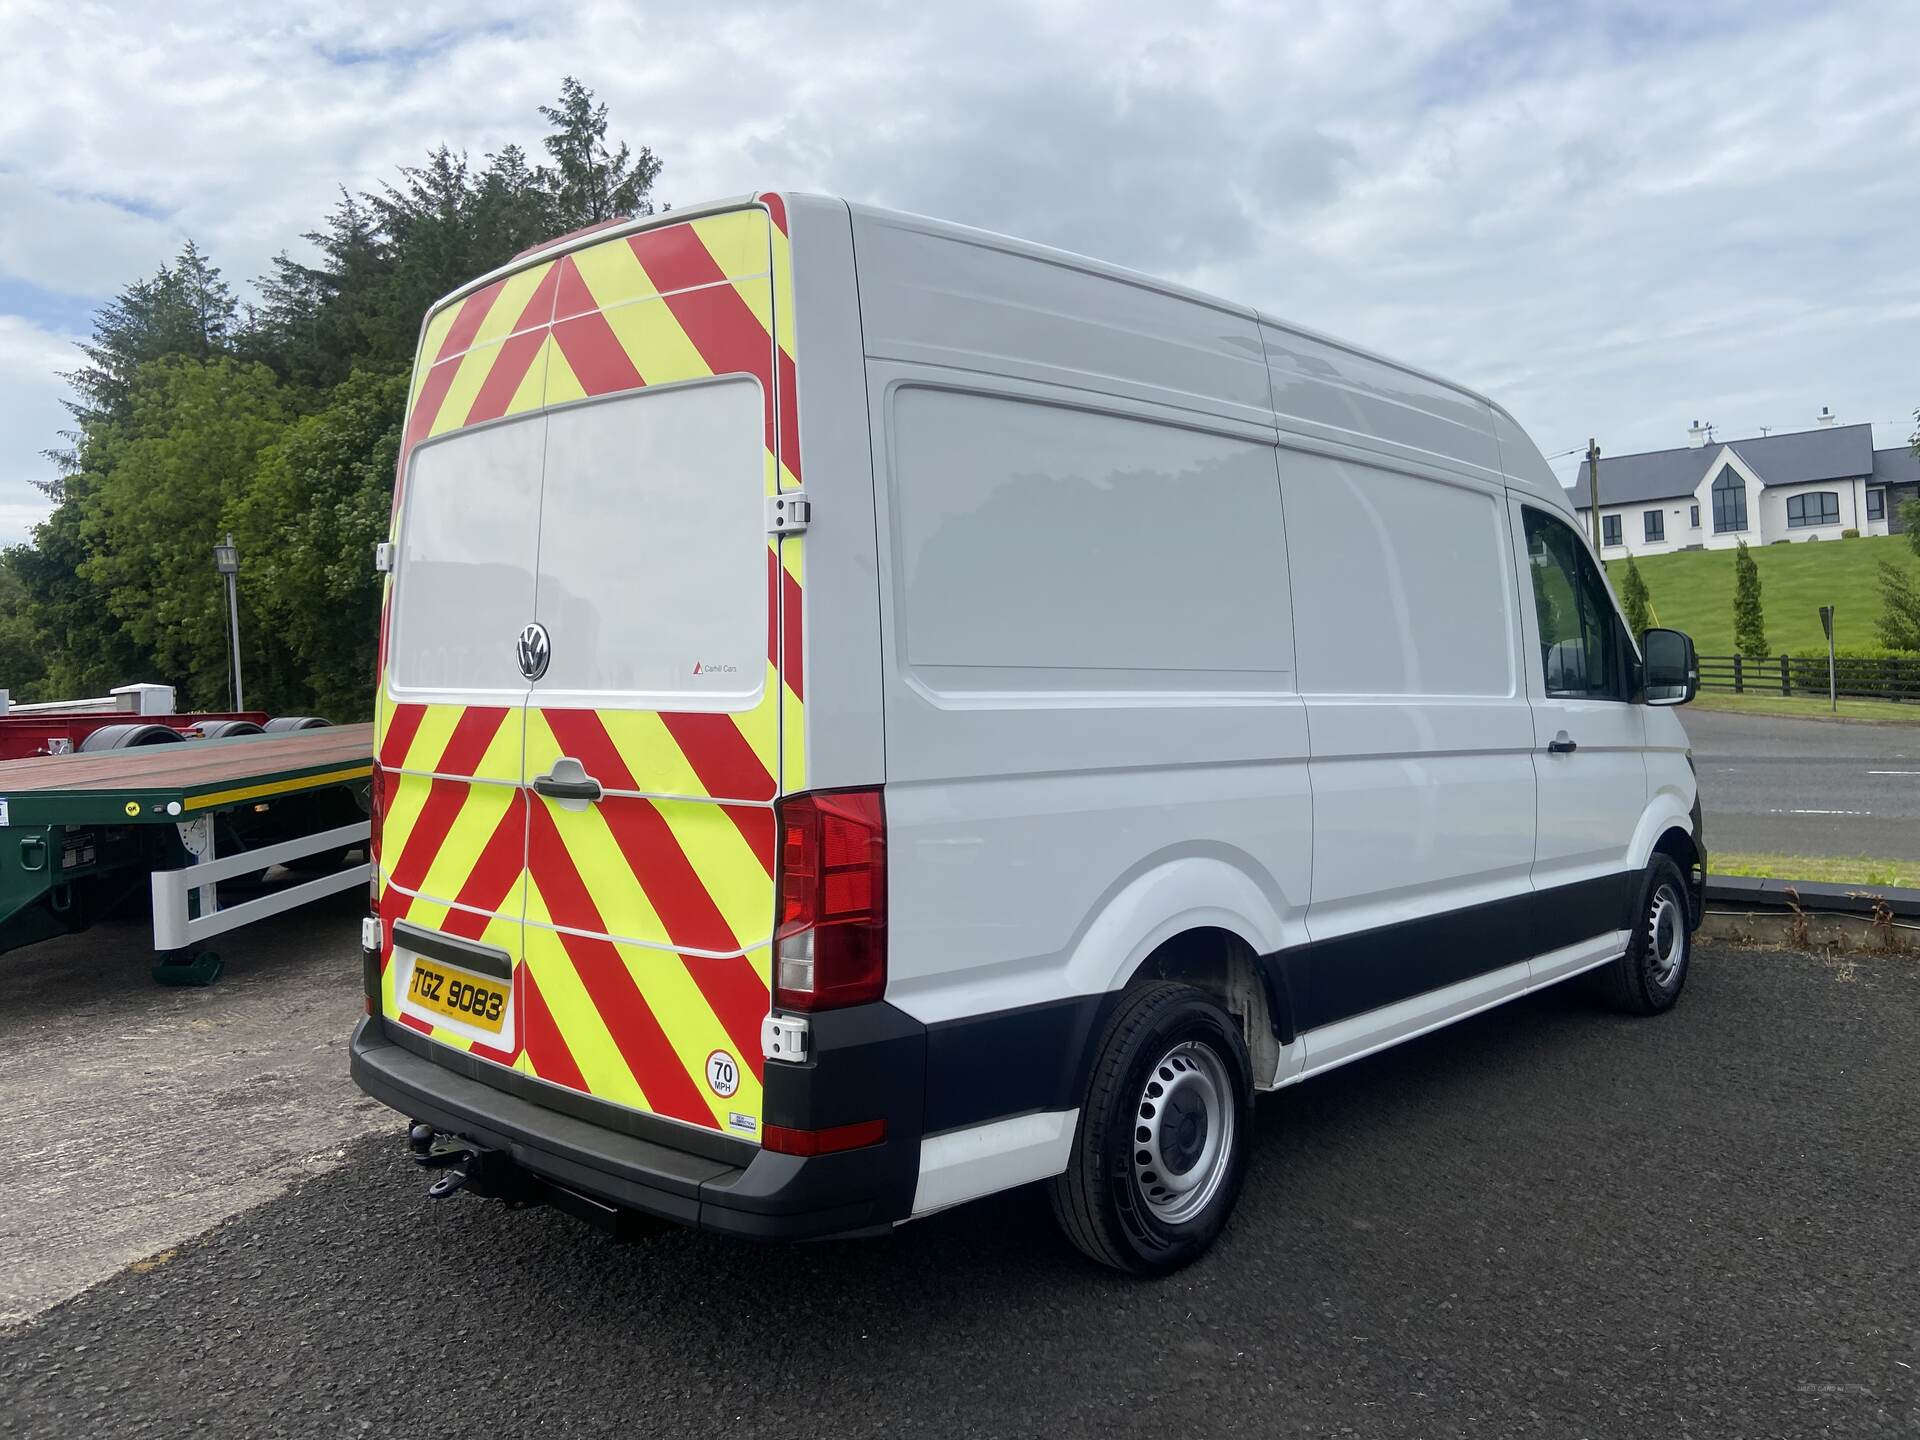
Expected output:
(1183, 1132)
(1666, 937)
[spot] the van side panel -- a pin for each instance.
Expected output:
(1324, 391)
(1422, 736)
(845, 739)
(1077, 705)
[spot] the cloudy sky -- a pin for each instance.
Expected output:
(1614, 217)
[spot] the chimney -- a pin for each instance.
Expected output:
(1826, 416)
(1697, 434)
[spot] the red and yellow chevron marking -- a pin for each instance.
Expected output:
(642, 922)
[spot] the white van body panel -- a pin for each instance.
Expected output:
(1077, 772)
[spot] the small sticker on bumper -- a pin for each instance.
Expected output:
(737, 1121)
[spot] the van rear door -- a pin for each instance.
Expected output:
(653, 735)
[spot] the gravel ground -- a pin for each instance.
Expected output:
(138, 1115)
(1546, 1221)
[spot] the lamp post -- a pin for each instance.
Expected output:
(226, 559)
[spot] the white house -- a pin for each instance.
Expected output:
(1802, 485)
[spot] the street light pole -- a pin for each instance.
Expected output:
(226, 559)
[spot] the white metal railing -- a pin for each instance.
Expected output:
(175, 929)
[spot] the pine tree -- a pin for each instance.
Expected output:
(185, 310)
(1633, 595)
(1749, 626)
(592, 182)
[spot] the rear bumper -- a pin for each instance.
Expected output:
(591, 1149)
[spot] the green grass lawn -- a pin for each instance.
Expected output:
(1807, 707)
(1692, 590)
(1828, 869)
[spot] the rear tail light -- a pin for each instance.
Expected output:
(831, 901)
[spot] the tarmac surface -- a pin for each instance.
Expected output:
(1548, 1220)
(1807, 787)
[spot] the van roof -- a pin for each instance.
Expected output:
(1523, 471)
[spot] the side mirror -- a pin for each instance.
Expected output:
(1672, 669)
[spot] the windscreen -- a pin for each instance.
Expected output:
(468, 538)
(653, 549)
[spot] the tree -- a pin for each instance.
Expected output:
(186, 309)
(1633, 595)
(22, 668)
(278, 419)
(167, 480)
(1749, 626)
(319, 503)
(1910, 509)
(592, 182)
(315, 320)
(1899, 607)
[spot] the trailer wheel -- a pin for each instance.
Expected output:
(123, 737)
(282, 723)
(227, 729)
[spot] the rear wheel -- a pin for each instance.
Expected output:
(1647, 979)
(1161, 1148)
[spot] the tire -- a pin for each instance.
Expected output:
(1647, 980)
(1170, 1083)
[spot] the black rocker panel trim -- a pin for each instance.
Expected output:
(1334, 980)
(1013, 1062)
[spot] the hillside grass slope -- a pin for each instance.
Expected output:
(1692, 590)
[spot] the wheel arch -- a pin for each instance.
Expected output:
(1206, 920)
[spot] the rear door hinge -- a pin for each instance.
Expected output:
(383, 558)
(788, 513)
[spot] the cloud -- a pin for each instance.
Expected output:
(30, 361)
(1615, 217)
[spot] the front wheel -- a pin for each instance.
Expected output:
(1647, 979)
(1161, 1147)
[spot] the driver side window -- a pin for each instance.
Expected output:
(1582, 646)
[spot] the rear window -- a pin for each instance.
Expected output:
(467, 550)
(653, 549)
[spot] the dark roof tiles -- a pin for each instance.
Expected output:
(1796, 458)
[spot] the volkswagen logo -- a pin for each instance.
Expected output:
(535, 650)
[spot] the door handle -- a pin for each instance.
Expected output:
(568, 780)
(1562, 744)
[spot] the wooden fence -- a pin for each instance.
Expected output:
(1890, 678)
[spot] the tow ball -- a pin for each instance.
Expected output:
(464, 1164)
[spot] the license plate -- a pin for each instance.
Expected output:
(459, 995)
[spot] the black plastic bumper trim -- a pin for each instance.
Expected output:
(770, 1197)
(451, 950)
(709, 1144)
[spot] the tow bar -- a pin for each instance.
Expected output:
(493, 1174)
(463, 1165)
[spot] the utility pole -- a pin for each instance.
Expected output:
(1593, 489)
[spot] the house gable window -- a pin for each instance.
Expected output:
(1729, 502)
(1653, 524)
(1816, 507)
(1876, 504)
(1609, 529)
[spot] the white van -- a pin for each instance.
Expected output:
(873, 713)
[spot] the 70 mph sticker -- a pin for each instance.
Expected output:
(723, 1074)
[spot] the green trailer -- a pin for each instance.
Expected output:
(189, 829)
